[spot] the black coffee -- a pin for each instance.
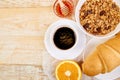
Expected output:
(64, 38)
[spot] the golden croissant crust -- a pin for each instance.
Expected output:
(105, 58)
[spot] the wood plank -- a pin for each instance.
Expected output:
(25, 3)
(22, 33)
(21, 72)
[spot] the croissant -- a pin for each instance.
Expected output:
(105, 58)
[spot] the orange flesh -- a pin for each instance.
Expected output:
(67, 67)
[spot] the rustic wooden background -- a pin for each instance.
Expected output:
(22, 33)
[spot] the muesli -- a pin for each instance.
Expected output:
(99, 17)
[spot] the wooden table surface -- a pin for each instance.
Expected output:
(22, 33)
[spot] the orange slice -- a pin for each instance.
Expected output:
(68, 70)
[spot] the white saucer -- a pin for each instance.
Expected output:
(71, 53)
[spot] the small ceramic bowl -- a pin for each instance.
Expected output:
(70, 53)
(77, 12)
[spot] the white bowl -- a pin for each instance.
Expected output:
(77, 12)
(71, 53)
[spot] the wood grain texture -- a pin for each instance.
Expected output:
(22, 33)
(21, 72)
(25, 3)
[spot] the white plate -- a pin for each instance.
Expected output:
(77, 12)
(91, 45)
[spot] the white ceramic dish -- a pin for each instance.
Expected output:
(77, 12)
(71, 53)
(91, 45)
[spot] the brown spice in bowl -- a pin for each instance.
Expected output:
(99, 17)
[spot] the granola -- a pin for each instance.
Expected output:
(99, 17)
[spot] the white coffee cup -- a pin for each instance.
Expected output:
(70, 53)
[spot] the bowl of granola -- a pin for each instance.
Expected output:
(98, 18)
